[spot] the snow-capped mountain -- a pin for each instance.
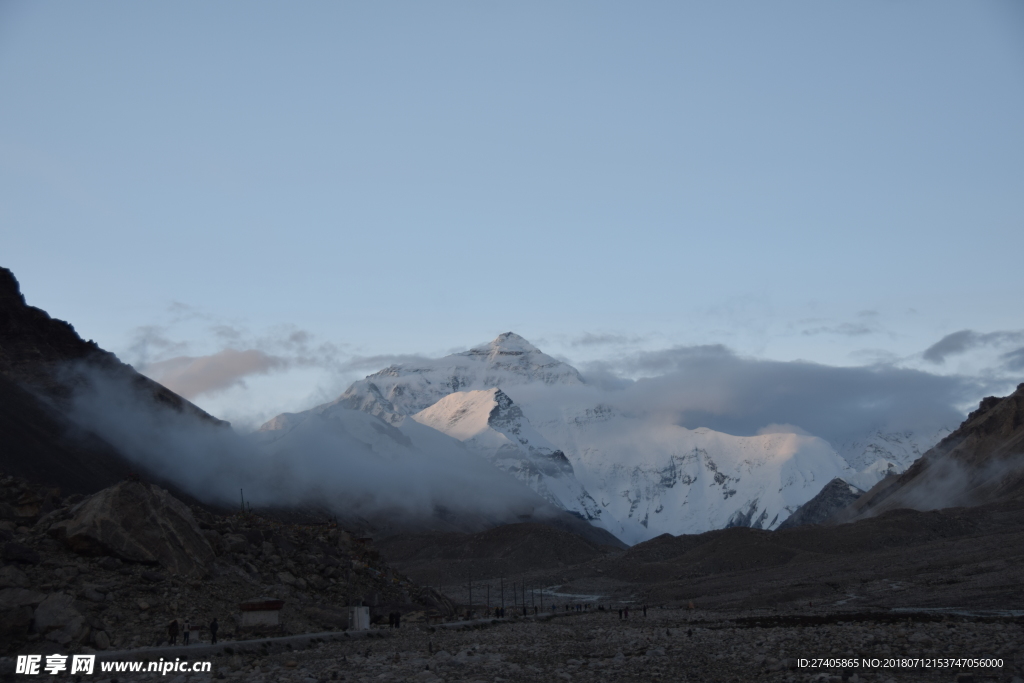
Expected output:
(488, 422)
(405, 389)
(656, 477)
(634, 474)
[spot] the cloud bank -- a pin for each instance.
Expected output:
(712, 386)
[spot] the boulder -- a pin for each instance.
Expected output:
(57, 619)
(235, 543)
(11, 577)
(19, 597)
(140, 523)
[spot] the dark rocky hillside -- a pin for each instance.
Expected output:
(47, 355)
(42, 362)
(113, 569)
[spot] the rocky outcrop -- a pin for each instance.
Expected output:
(140, 523)
(836, 495)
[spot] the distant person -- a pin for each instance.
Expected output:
(184, 632)
(213, 630)
(620, 613)
(645, 610)
(172, 631)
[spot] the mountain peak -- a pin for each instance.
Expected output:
(505, 344)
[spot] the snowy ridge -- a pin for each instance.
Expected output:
(489, 423)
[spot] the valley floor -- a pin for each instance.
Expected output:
(666, 645)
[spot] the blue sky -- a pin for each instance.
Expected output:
(836, 182)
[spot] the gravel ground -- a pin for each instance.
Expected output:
(667, 645)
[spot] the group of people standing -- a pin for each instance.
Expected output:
(624, 612)
(184, 626)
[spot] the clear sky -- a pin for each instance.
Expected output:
(840, 182)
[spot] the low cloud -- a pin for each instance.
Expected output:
(711, 386)
(237, 353)
(966, 340)
(192, 376)
(356, 465)
(844, 329)
(592, 339)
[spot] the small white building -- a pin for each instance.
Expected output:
(265, 612)
(358, 618)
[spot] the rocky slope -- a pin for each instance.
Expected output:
(836, 496)
(113, 569)
(44, 367)
(47, 355)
